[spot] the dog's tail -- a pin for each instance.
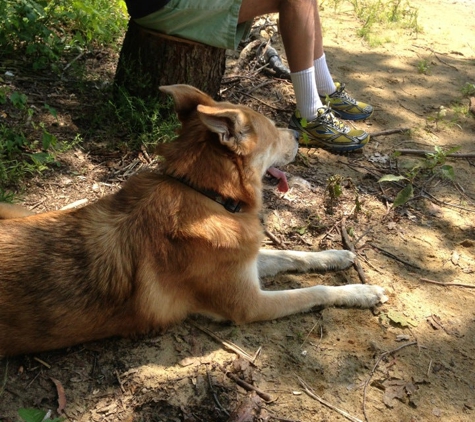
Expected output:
(13, 211)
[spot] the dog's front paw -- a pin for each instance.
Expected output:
(359, 296)
(334, 260)
(372, 295)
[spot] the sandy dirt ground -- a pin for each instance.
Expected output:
(411, 359)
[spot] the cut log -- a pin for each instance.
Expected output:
(149, 59)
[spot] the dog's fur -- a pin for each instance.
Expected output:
(159, 249)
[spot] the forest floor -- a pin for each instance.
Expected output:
(412, 360)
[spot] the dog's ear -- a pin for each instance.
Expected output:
(229, 124)
(186, 99)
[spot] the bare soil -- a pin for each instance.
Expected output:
(412, 359)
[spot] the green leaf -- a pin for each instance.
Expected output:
(447, 172)
(32, 415)
(52, 110)
(404, 195)
(18, 100)
(391, 178)
(48, 140)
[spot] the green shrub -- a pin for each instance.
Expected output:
(44, 29)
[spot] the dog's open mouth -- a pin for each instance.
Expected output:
(283, 185)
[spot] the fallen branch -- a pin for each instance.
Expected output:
(390, 255)
(440, 283)
(325, 403)
(347, 243)
(248, 387)
(389, 131)
(229, 345)
(272, 237)
(383, 355)
(74, 204)
(215, 396)
(423, 153)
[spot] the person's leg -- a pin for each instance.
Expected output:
(301, 32)
(300, 46)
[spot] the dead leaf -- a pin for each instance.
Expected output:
(397, 389)
(61, 395)
(393, 389)
(398, 318)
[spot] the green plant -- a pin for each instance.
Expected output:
(380, 14)
(433, 164)
(334, 189)
(423, 67)
(145, 121)
(35, 415)
(46, 29)
(468, 90)
(25, 147)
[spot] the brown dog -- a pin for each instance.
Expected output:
(166, 245)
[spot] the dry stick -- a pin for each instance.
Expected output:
(263, 102)
(325, 403)
(423, 153)
(440, 283)
(446, 204)
(229, 345)
(349, 245)
(248, 387)
(383, 355)
(384, 252)
(272, 237)
(74, 204)
(389, 131)
(215, 396)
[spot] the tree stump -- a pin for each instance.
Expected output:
(149, 59)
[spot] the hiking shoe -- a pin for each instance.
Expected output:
(328, 132)
(345, 106)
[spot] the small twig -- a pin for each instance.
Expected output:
(272, 237)
(5, 378)
(429, 368)
(349, 246)
(229, 345)
(381, 357)
(446, 204)
(42, 362)
(384, 252)
(73, 60)
(325, 403)
(74, 204)
(263, 102)
(389, 131)
(423, 153)
(121, 383)
(248, 387)
(440, 283)
(215, 396)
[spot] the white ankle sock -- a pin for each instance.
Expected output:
(306, 93)
(325, 84)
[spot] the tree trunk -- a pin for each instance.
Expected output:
(149, 59)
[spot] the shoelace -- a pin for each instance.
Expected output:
(326, 114)
(340, 93)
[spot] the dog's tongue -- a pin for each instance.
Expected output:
(280, 175)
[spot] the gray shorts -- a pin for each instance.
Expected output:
(212, 22)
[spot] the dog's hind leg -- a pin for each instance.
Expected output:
(271, 262)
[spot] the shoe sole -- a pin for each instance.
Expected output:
(352, 117)
(332, 147)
